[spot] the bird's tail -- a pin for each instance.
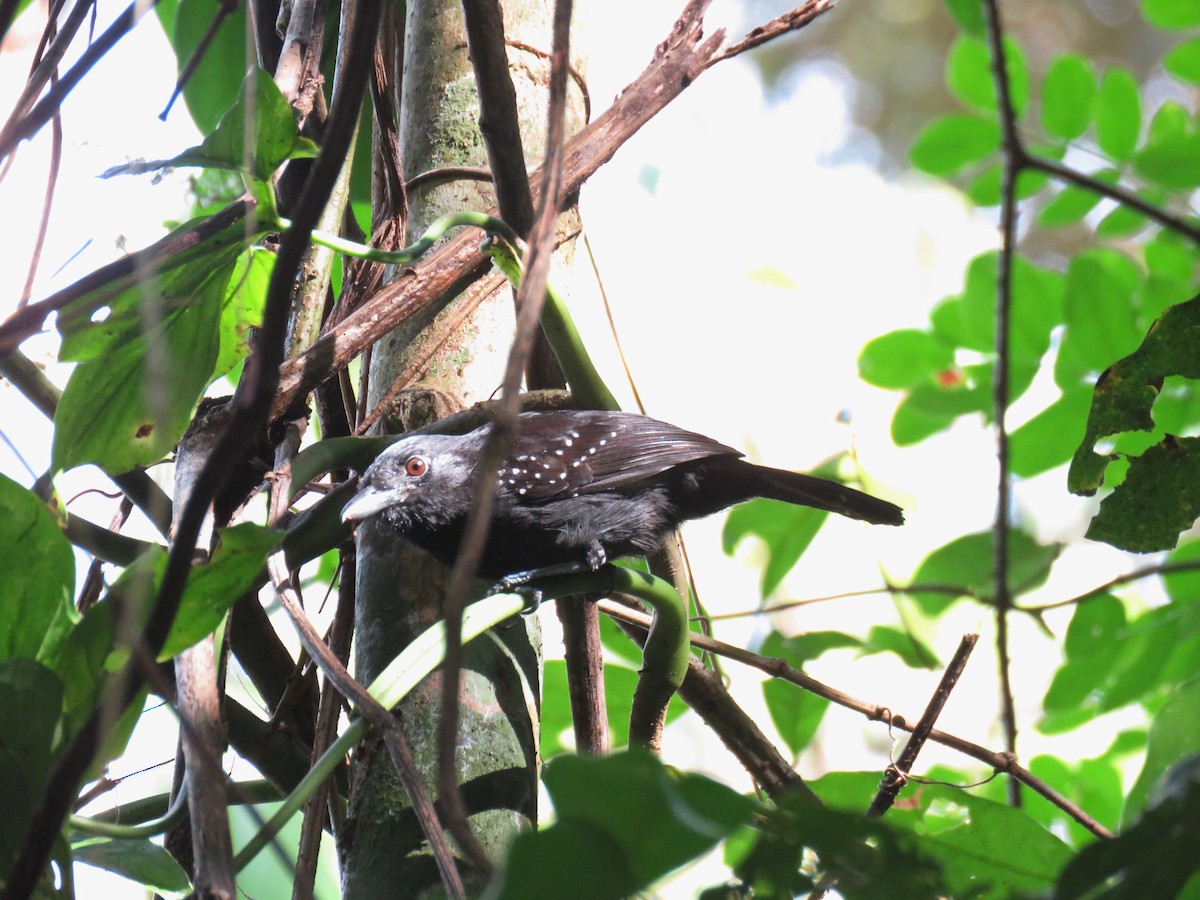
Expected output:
(808, 490)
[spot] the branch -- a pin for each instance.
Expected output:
(896, 775)
(777, 668)
(1014, 154)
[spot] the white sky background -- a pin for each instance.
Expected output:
(743, 184)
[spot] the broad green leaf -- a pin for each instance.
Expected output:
(952, 142)
(84, 661)
(1050, 438)
(1153, 857)
(1125, 393)
(1098, 311)
(214, 84)
(1183, 61)
(966, 563)
(36, 597)
(1067, 96)
(215, 586)
(1174, 736)
(130, 407)
(1172, 14)
(904, 358)
(933, 407)
(796, 714)
(1183, 587)
(621, 822)
(139, 860)
(786, 530)
(1171, 161)
(242, 309)
(113, 315)
(274, 138)
(1158, 500)
(999, 846)
(1118, 114)
(906, 645)
(30, 705)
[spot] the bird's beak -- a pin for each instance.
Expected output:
(366, 503)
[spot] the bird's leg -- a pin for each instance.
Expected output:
(518, 582)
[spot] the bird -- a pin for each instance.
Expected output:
(577, 489)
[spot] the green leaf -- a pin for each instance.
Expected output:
(952, 142)
(1122, 222)
(1174, 736)
(1158, 500)
(985, 189)
(138, 860)
(998, 846)
(36, 597)
(130, 408)
(1118, 114)
(1067, 96)
(969, 74)
(906, 645)
(1183, 61)
(30, 704)
(795, 713)
(1068, 207)
(1098, 311)
(966, 562)
(120, 312)
(1155, 857)
(215, 82)
(968, 15)
(274, 138)
(242, 308)
(621, 822)
(1171, 161)
(1125, 393)
(215, 586)
(1050, 438)
(786, 530)
(1174, 15)
(904, 358)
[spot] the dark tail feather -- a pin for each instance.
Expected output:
(808, 490)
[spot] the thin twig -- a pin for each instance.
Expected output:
(792, 20)
(897, 774)
(35, 258)
(1013, 157)
(1123, 196)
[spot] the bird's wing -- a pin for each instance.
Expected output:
(558, 453)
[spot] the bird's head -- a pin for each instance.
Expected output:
(422, 477)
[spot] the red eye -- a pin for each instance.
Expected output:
(415, 466)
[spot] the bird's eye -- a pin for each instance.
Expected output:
(416, 466)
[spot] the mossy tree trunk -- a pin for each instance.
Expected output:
(400, 588)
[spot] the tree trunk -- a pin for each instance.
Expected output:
(400, 588)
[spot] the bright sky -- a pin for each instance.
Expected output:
(744, 285)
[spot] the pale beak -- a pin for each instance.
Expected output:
(366, 503)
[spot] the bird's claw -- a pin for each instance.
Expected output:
(518, 583)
